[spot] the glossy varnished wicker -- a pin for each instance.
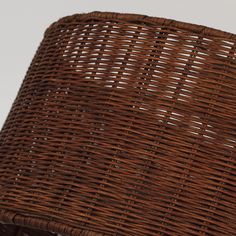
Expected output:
(124, 125)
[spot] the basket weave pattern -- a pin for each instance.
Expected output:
(124, 125)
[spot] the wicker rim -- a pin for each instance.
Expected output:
(13, 218)
(141, 19)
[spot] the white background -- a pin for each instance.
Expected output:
(22, 24)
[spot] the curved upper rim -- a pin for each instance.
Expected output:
(145, 19)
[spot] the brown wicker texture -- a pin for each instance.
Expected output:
(124, 125)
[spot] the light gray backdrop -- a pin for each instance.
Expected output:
(22, 24)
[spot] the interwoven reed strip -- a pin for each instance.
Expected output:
(124, 125)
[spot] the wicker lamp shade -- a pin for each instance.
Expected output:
(124, 125)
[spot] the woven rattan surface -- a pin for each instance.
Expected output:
(124, 125)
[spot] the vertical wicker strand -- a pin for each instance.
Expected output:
(185, 171)
(218, 192)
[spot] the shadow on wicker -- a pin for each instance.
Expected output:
(124, 125)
